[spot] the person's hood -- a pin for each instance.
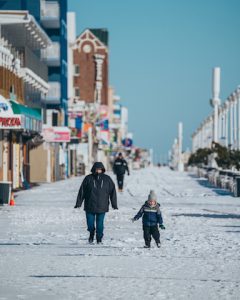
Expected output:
(98, 165)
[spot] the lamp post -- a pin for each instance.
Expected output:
(234, 99)
(215, 101)
(220, 114)
(238, 102)
(231, 122)
(226, 107)
(180, 138)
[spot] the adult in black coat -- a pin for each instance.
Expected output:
(96, 190)
(120, 166)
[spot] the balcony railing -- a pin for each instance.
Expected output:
(33, 62)
(52, 54)
(54, 93)
(50, 14)
(9, 57)
(25, 64)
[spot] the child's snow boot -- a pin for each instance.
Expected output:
(147, 245)
(158, 244)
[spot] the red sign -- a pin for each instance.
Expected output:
(9, 122)
(61, 136)
(56, 134)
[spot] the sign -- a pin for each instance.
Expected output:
(105, 137)
(127, 142)
(11, 122)
(104, 112)
(8, 120)
(56, 134)
(5, 107)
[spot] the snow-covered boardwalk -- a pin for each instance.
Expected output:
(44, 252)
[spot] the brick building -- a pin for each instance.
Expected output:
(90, 58)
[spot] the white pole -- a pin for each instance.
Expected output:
(234, 99)
(201, 136)
(223, 125)
(238, 100)
(211, 131)
(220, 124)
(231, 124)
(90, 148)
(180, 139)
(216, 100)
(226, 123)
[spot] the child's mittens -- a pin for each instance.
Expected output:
(133, 220)
(162, 226)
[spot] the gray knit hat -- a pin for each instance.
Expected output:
(152, 196)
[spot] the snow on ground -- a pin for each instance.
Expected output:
(44, 252)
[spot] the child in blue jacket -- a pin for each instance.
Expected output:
(150, 211)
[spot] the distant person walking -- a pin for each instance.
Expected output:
(120, 166)
(96, 190)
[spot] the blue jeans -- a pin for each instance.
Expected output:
(99, 223)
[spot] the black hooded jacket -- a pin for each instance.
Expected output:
(120, 166)
(96, 190)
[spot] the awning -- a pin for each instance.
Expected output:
(33, 113)
(17, 116)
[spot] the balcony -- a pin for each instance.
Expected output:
(50, 14)
(23, 63)
(34, 80)
(9, 57)
(33, 62)
(51, 55)
(54, 93)
(21, 29)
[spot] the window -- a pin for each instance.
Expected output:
(54, 119)
(77, 92)
(76, 70)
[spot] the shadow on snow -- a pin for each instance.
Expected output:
(211, 216)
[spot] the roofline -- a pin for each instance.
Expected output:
(26, 19)
(89, 30)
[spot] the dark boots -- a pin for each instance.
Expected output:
(99, 239)
(147, 244)
(91, 237)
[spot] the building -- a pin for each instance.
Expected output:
(88, 105)
(23, 84)
(90, 59)
(51, 17)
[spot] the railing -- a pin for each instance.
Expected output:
(54, 92)
(222, 179)
(33, 62)
(9, 57)
(52, 54)
(25, 64)
(50, 13)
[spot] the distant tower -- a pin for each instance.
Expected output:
(215, 101)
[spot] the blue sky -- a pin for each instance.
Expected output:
(161, 57)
